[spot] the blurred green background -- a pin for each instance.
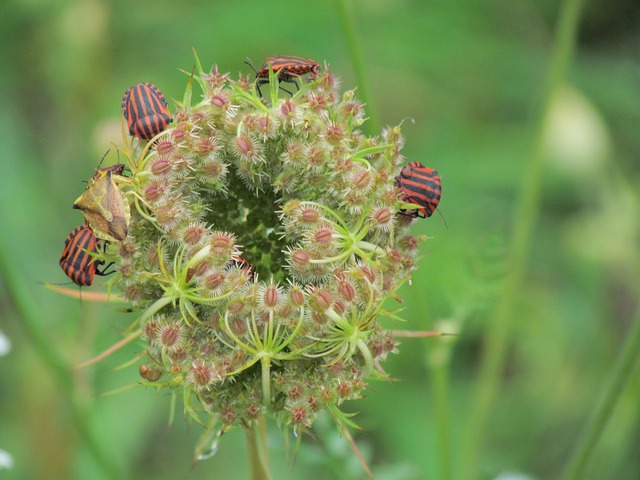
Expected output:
(468, 79)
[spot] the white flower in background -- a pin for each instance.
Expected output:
(5, 344)
(6, 460)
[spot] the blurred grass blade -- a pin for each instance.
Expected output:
(501, 323)
(620, 376)
(347, 19)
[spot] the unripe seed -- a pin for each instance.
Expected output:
(161, 166)
(300, 258)
(271, 297)
(296, 296)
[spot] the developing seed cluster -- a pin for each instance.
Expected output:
(258, 237)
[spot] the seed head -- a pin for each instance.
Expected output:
(223, 247)
(165, 146)
(161, 166)
(201, 374)
(247, 148)
(382, 218)
(320, 299)
(296, 295)
(171, 336)
(193, 233)
(270, 298)
(293, 185)
(308, 215)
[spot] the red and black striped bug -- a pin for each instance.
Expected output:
(242, 264)
(421, 186)
(145, 109)
(76, 259)
(288, 69)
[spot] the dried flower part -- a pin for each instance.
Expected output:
(149, 373)
(262, 243)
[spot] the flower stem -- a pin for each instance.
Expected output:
(604, 409)
(499, 329)
(438, 362)
(266, 381)
(113, 348)
(257, 451)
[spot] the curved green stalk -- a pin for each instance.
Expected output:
(621, 375)
(501, 323)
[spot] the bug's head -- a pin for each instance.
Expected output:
(396, 181)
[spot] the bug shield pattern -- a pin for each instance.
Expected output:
(259, 238)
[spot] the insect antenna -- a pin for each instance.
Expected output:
(443, 219)
(250, 63)
(103, 157)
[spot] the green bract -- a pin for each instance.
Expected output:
(292, 187)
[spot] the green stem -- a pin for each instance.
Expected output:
(366, 354)
(347, 19)
(257, 451)
(30, 319)
(334, 259)
(499, 329)
(438, 364)
(604, 409)
(293, 335)
(266, 381)
(155, 308)
(370, 247)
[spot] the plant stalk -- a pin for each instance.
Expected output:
(438, 363)
(257, 450)
(503, 319)
(347, 19)
(603, 411)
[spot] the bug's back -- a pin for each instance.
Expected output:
(145, 109)
(75, 259)
(421, 186)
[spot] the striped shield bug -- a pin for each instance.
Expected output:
(420, 186)
(104, 207)
(288, 69)
(145, 110)
(242, 264)
(77, 260)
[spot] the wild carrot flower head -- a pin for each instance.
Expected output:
(262, 244)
